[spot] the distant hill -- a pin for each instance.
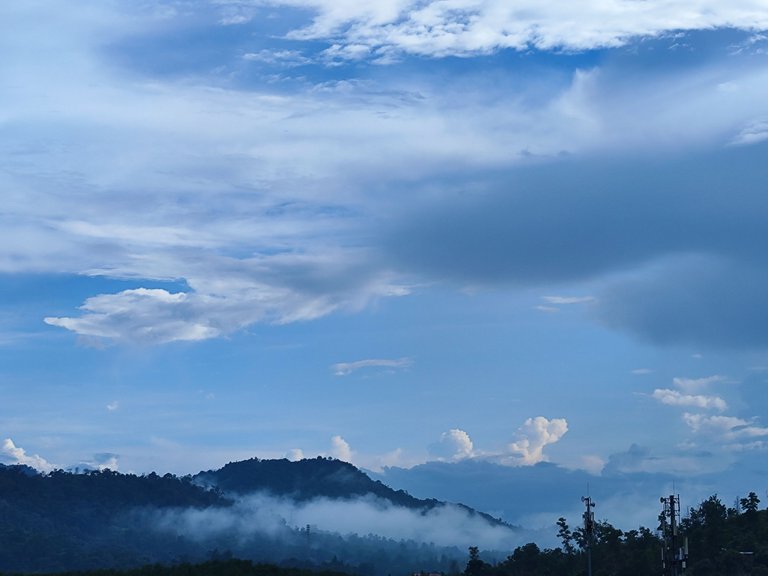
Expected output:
(303, 480)
(105, 519)
(315, 478)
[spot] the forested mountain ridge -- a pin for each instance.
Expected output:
(313, 478)
(105, 519)
(302, 480)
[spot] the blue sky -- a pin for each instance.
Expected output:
(393, 232)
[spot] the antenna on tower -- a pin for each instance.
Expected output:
(589, 528)
(674, 557)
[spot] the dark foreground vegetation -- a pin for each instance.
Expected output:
(722, 541)
(230, 567)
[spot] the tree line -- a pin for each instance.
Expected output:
(721, 540)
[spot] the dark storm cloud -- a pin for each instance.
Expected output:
(566, 222)
(699, 301)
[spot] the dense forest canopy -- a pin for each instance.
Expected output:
(721, 540)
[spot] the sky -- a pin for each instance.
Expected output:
(394, 232)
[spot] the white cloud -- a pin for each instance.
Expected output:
(253, 198)
(103, 461)
(340, 449)
(568, 299)
(534, 435)
(446, 525)
(753, 133)
(295, 455)
(453, 446)
(562, 301)
(642, 371)
(347, 368)
(278, 289)
(675, 398)
(12, 454)
(113, 406)
(140, 315)
(696, 384)
(592, 463)
(393, 458)
(728, 428)
(282, 57)
(472, 26)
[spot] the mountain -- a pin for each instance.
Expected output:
(321, 514)
(304, 480)
(316, 478)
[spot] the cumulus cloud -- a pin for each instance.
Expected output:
(295, 455)
(454, 445)
(340, 449)
(534, 435)
(347, 368)
(675, 398)
(140, 315)
(12, 454)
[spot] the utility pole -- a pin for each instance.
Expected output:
(674, 557)
(589, 530)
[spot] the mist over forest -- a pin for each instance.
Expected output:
(318, 513)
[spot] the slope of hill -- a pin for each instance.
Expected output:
(304, 480)
(305, 513)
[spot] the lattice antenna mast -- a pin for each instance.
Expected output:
(589, 529)
(674, 556)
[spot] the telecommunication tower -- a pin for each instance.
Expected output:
(589, 530)
(674, 556)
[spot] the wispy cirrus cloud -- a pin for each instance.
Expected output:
(347, 368)
(564, 300)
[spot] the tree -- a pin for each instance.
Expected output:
(565, 535)
(749, 504)
(475, 566)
